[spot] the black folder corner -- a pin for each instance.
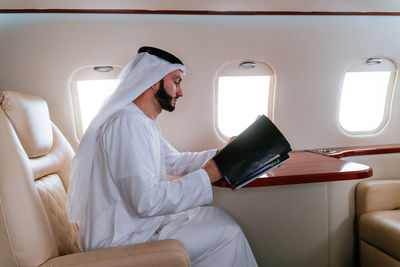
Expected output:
(258, 149)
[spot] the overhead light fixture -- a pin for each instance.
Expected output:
(247, 65)
(103, 68)
(374, 61)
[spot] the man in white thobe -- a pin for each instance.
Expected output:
(129, 200)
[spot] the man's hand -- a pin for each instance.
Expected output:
(212, 170)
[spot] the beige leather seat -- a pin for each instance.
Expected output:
(378, 213)
(34, 169)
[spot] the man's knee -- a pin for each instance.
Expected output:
(229, 227)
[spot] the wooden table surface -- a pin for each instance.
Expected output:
(309, 167)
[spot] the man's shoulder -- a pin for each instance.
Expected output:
(122, 118)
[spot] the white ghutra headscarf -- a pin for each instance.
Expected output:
(143, 71)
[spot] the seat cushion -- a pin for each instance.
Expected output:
(165, 253)
(381, 229)
(373, 257)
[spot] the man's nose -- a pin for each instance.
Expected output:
(179, 92)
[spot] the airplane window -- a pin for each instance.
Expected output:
(90, 87)
(242, 95)
(91, 95)
(366, 97)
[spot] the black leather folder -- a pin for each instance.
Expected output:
(255, 151)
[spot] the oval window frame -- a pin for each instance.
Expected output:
(233, 69)
(362, 66)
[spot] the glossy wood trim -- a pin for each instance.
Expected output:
(309, 167)
(201, 12)
(357, 150)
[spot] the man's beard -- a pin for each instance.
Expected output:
(164, 99)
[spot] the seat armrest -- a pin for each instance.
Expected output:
(171, 253)
(377, 195)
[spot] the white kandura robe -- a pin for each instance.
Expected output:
(130, 200)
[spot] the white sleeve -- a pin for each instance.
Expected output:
(128, 146)
(177, 163)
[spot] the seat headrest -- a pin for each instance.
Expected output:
(29, 115)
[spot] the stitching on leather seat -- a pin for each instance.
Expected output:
(53, 196)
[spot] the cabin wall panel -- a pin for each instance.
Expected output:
(343, 243)
(309, 55)
(285, 225)
(296, 225)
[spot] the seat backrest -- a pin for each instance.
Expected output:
(34, 172)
